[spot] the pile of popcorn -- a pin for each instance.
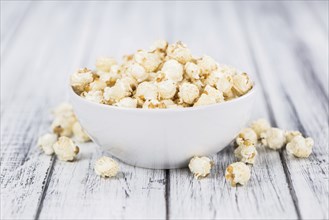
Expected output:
(259, 134)
(65, 127)
(165, 76)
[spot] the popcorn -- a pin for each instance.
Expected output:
(214, 93)
(63, 109)
(165, 72)
(237, 173)
(241, 83)
(300, 146)
(150, 61)
(79, 133)
(188, 92)
(200, 166)
(207, 64)
(127, 102)
(65, 149)
(273, 138)
(247, 134)
(138, 72)
(166, 89)
(104, 64)
(106, 167)
(205, 100)
(291, 135)
(192, 70)
(246, 152)
(179, 52)
(94, 96)
(46, 143)
(62, 125)
(173, 70)
(80, 79)
(147, 91)
(259, 126)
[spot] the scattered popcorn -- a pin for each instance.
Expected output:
(291, 135)
(247, 134)
(260, 125)
(65, 149)
(63, 109)
(79, 133)
(104, 64)
(246, 152)
(106, 167)
(237, 173)
(62, 125)
(46, 142)
(300, 146)
(273, 138)
(200, 166)
(165, 72)
(188, 92)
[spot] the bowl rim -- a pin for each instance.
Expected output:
(251, 92)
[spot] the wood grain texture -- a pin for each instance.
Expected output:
(284, 46)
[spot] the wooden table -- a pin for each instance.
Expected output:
(284, 45)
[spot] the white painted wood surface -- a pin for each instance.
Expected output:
(283, 45)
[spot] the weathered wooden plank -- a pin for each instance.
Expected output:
(267, 194)
(296, 104)
(75, 191)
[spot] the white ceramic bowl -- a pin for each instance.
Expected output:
(163, 138)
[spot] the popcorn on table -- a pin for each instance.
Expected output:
(300, 146)
(273, 138)
(106, 167)
(65, 149)
(246, 152)
(200, 166)
(46, 142)
(165, 72)
(237, 173)
(79, 133)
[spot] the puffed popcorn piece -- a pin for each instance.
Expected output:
(179, 52)
(227, 70)
(212, 92)
(237, 173)
(62, 125)
(147, 91)
(137, 72)
(173, 70)
(273, 138)
(104, 63)
(97, 85)
(200, 166)
(188, 92)
(207, 64)
(65, 149)
(241, 83)
(117, 92)
(109, 78)
(260, 125)
(205, 99)
(167, 89)
(160, 45)
(152, 104)
(224, 84)
(46, 142)
(106, 167)
(79, 133)
(64, 108)
(192, 70)
(170, 104)
(94, 96)
(127, 102)
(212, 78)
(246, 134)
(292, 134)
(150, 61)
(246, 152)
(300, 147)
(80, 79)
